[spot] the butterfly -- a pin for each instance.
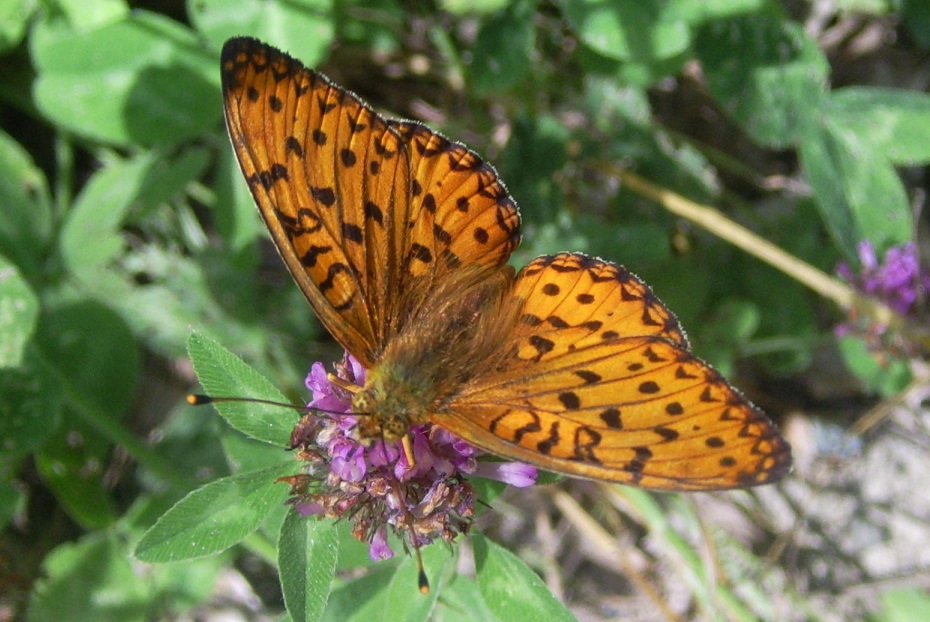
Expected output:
(399, 239)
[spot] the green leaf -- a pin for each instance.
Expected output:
(511, 589)
(14, 18)
(178, 293)
(26, 217)
(174, 588)
(222, 373)
(362, 600)
(883, 376)
(858, 192)
(307, 552)
(739, 317)
(215, 516)
(537, 148)
(91, 579)
(247, 454)
(237, 220)
(472, 7)
(641, 243)
(486, 490)
(139, 81)
(694, 11)
(85, 16)
(905, 605)
(789, 317)
(403, 601)
(664, 159)
(30, 408)
(353, 553)
(95, 361)
(733, 323)
(89, 237)
(502, 51)
(766, 72)
(169, 176)
(94, 354)
(893, 123)
(462, 602)
(19, 310)
(683, 283)
(304, 28)
(644, 31)
(389, 592)
(916, 19)
(12, 502)
(71, 463)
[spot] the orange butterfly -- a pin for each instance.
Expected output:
(399, 240)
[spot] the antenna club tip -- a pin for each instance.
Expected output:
(423, 582)
(195, 399)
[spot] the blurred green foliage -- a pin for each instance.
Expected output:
(125, 224)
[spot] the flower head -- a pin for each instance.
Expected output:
(897, 281)
(372, 483)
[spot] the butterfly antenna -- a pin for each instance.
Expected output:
(422, 579)
(198, 399)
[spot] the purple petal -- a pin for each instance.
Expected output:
(358, 371)
(317, 380)
(867, 255)
(896, 282)
(349, 465)
(845, 272)
(378, 548)
(402, 470)
(331, 404)
(310, 508)
(516, 474)
(423, 456)
(346, 423)
(382, 453)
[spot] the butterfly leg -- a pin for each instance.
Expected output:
(408, 451)
(351, 387)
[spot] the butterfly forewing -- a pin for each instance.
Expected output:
(359, 207)
(331, 182)
(461, 214)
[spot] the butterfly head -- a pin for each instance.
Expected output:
(385, 410)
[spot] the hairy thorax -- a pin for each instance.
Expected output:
(449, 333)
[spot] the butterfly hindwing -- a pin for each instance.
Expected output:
(603, 394)
(599, 299)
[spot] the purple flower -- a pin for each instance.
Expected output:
(897, 281)
(514, 473)
(378, 548)
(372, 484)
